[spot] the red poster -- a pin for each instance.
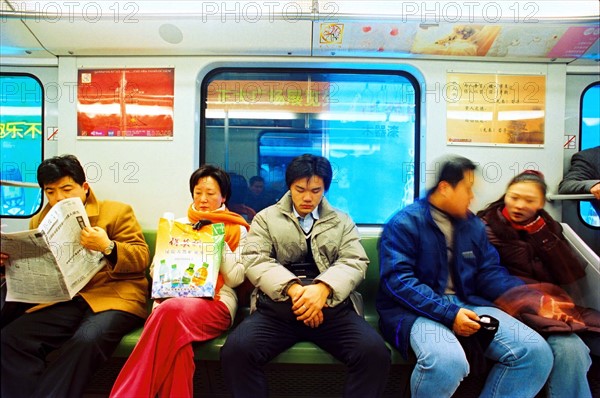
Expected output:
(125, 102)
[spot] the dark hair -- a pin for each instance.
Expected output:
(530, 176)
(53, 169)
(256, 179)
(453, 170)
(533, 176)
(222, 178)
(239, 189)
(306, 166)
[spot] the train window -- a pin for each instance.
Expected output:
(21, 138)
(255, 121)
(590, 137)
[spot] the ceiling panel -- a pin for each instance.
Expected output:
(178, 36)
(386, 29)
(17, 41)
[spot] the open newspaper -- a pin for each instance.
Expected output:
(48, 264)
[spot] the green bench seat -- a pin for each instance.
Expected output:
(300, 353)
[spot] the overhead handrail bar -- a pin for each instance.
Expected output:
(20, 184)
(582, 196)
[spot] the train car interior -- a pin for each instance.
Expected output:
(144, 92)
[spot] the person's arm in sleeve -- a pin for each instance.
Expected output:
(262, 268)
(349, 269)
(232, 267)
(398, 260)
(131, 254)
(582, 178)
(554, 252)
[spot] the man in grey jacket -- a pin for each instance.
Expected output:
(305, 259)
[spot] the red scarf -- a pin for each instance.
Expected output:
(232, 222)
(530, 228)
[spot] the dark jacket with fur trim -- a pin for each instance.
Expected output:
(544, 256)
(543, 260)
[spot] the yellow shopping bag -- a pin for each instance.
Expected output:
(187, 261)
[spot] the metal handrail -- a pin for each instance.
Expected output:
(20, 184)
(581, 196)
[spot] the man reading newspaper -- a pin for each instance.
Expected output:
(85, 330)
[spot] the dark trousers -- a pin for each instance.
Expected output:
(83, 340)
(273, 328)
(10, 310)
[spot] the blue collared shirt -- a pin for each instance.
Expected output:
(306, 223)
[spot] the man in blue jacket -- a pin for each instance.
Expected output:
(438, 272)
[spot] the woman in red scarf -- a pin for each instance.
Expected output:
(163, 360)
(532, 247)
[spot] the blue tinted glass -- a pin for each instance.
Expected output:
(590, 117)
(21, 138)
(590, 137)
(365, 124)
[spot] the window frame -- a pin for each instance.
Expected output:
(42, 117)
(210, 76)
(581, 133)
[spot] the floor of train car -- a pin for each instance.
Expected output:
(302, 381)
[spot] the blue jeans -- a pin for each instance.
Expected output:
(523, 358)
(572, 361)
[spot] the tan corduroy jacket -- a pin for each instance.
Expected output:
(122, 286)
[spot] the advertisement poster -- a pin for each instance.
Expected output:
(575, 42)
(521, 41)
(363, 37)
(471, 40)
(125, 102)
(491, 109)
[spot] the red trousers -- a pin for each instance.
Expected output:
(162, 362)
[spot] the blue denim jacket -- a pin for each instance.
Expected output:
(414, 271)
